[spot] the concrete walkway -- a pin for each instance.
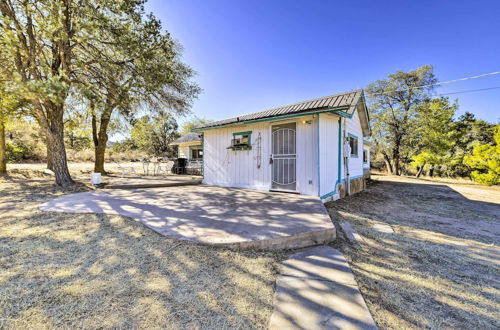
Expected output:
(236, 218)
(317, 290)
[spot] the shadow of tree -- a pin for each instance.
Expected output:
(106, 271)
(439, 269)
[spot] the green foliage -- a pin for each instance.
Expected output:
(424, 158)
(154, 135)
(124, 146)
(24, 141)
(192, 123)
(485, 161)
(18, 151)
(394, 104)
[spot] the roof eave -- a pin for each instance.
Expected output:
(339, 111)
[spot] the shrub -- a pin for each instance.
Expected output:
(485, 161)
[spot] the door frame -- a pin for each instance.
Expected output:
(270, 130)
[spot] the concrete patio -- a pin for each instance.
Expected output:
(236, 218)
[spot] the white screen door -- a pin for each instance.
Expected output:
(284, 157)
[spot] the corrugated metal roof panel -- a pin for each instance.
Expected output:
(348, 99)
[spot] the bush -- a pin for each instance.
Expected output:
(485, 161)
(18, 151)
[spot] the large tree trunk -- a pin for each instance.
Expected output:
(53, 126)
(57, 156)
(100, 137)
(3, 155)
(50, 162)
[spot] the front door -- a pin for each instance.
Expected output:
(284, 157)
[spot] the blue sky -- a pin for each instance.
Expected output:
(254, 55)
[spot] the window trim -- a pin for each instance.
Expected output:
(248, 146)
(364, 150)
(357, 145)
(191, 148)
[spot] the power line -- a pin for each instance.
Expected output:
(469, 91)
(438, 83)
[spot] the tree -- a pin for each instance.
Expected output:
(192, 123)
(433, 132)
(11, 105)
(138, 67)
(485, 161)
(470, 132)
(393, 103)
(41, 37)
(154, 135)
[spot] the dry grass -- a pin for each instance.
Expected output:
(440, 268)
(98, 271)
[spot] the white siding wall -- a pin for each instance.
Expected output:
(239, 168)
(184, 149)
(307, 156)
(329, 153)
(356, 164)
(225, 167)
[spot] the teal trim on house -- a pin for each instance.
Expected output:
(336, 111)
(342, 114)
(243, 147)
(339, 156)
(243, 133)
(331, 193)
(364, 150)
(357, 144)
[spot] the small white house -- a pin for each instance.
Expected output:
(314, 147)
(190, 147)
(189, 154)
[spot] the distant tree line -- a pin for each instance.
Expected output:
(416, 133)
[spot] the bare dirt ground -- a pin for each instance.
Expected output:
(100, 271)
(440, 268)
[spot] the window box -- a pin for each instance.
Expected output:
(241, 141)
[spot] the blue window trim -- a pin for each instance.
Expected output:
(354, 137)
(364, 150)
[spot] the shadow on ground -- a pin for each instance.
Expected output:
(107, 271)
(440, 268)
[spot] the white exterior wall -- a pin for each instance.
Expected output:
(317, 172)
(184, 149)
(226, 167)
(353, 126)
(329, 154)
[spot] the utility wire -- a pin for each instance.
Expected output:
(438, 83)
(469, 91)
